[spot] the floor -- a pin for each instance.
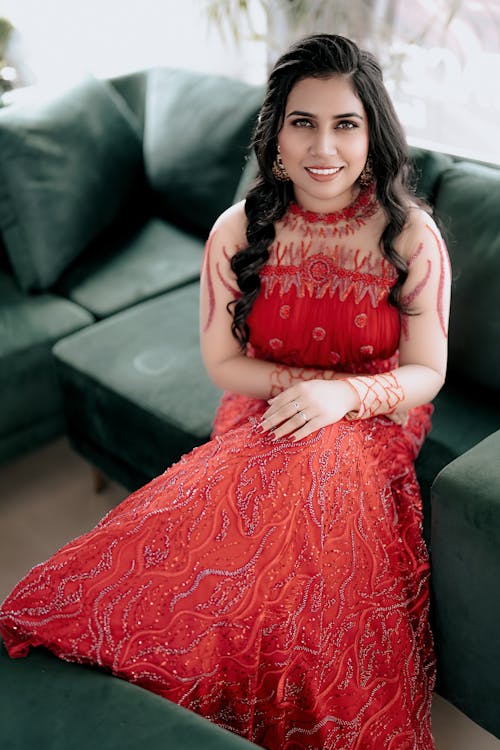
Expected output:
(47, 498)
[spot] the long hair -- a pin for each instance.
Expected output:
(320, 56)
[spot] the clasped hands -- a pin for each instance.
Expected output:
(303, 408)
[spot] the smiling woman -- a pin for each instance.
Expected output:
(324, 142)
(275, 579)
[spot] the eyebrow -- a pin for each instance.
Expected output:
(335, 117)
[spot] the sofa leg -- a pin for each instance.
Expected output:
(99, 480)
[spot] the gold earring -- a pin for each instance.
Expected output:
(279, 170)
(366, 177)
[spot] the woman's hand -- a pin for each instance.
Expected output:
(306, 407)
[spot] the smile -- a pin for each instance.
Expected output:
(323, 171)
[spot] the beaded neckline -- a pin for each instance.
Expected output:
(363, 206)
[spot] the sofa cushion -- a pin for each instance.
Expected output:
(48, 703)
(132, 264)
(428, 167)
(135, 388)
(468, 204)
(465, 576)
(463, 417)
(197, 132)
(67, 165)
(132, 87)
(29, 393)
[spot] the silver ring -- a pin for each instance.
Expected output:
(301, 414)
(295, 406)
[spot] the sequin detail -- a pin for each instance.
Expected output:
(339, 223)
(275, 343)
(366, 350)
(284, 584)
(318, 333)
(319, 277)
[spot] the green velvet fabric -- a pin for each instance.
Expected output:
(67, 165)
(48, 704)
(135, 386)
(132, 264)
(30, 403)
(468, 202)
(428, 167)
(132, 87)
(195, 162)
(463, 416)
(465, 581)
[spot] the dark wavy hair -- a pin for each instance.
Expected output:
(321, 56)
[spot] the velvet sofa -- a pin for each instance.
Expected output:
(107, 192)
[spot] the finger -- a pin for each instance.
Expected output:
(311, 426)
(276, 415)
(295, 423)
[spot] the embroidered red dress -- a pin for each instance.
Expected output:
(278, 589)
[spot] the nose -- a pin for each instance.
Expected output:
(324, 142)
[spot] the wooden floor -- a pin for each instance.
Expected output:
(47, 498)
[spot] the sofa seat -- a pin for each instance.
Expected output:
(136, 395)
(65, 706)
(462, 418)
(131, 263)
(29, 326)
(465, 581)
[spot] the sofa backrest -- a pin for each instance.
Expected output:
(68, 163)
(196, 137)
(468, 203)
(465, 196)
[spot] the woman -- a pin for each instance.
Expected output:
(275, 579)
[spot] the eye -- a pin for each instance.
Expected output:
(302, 123)
(346, 125)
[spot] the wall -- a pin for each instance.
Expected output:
(447, 95)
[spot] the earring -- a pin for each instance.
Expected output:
(279, 170)
(366, 177)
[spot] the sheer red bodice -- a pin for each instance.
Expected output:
(278, 589)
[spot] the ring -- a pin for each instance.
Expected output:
(295, 406)
(301, 414)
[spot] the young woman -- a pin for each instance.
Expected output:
(275, 580)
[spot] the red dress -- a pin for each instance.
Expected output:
(278, 589)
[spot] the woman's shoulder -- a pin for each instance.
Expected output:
(231, 226)
(419, 228)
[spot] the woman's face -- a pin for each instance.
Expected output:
(324, 142)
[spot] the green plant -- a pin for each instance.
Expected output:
(371, 23)
(6, 29)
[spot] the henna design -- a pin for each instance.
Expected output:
(405, 326)
(443, 260)
(415, 255)
(235, 292)
(409, 298)
(284, 377)
(378, 394)
(210, 286)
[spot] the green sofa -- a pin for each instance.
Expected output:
(107, 192)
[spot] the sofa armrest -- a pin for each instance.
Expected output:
(465, 552)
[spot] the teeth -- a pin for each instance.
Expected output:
(323, 171)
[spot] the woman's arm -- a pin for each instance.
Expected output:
(422, 348)
(228, 367)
